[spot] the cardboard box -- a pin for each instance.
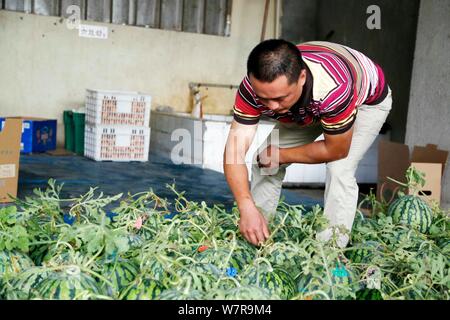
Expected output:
(393, 161)
(9, 158)
(38, 134)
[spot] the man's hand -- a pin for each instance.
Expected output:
(269, 158)
(253, 225)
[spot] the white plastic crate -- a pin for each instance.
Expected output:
(116, 143)
(117, 108)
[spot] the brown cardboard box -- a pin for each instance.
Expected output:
(10, 138)
(393, 161)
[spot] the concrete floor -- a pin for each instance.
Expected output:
(316, 192)
(79, 174)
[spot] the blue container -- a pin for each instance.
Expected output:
(38, 135)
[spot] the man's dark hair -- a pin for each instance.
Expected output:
(273, 58)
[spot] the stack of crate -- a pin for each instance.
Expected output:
(117, 126)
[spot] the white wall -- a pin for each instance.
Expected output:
(45, 67)
(429, 107)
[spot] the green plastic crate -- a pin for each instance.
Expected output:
(79, 125)
(69, 131)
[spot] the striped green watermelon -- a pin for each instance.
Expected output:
(444, 245)
(342, 283)
(285, 256)
(23, 285)
(14, 262)
(37, 253)
(121, 273)
(369, 294)
(219, 256)
(405, 238)
(227, 224)
(154, 268)
(363, 252)
(143, 289)
(307, 285)
(59, 258)
(69, 284)
(245, 250)
(275, 280)
(291, 230)
(135, 241)
(203, 276)
(412, 211)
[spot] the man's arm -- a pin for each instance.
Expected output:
(252, 224)
(334, 147)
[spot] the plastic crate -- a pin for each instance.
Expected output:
(78, 130)
(69, 138)
(116, 143)
(117, 108)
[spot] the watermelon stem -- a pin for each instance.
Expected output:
(257, 261)
(198, 227)
(42, 242)
(325, 264)
(94, 257)
(391, 295)
(274, 232)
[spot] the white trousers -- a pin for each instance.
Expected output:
(341, 189)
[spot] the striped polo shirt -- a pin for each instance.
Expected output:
(339, 79)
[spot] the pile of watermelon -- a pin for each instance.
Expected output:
(143, 247)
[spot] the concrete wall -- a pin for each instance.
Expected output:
(45, 67)
(299, 20)
(344, 21)
(429, 108)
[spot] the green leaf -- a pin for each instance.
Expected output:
(121, 244)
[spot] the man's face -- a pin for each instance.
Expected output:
(278, 95)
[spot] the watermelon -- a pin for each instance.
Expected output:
(59, 258)
(444, 245)
(23, 285)
(219, 256)
(14, 262)
(121, 274)
(246, 251)
(155, 269)
(369, 294)
(151, 224)
(69, 284)
(342, 283)
(292, 228)
(285, 257)
(307, 284)
(363, 252)
(412, 211)
(203, 276)
(135, 241)
(37, 253)
(275, 280)
(143, 289)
